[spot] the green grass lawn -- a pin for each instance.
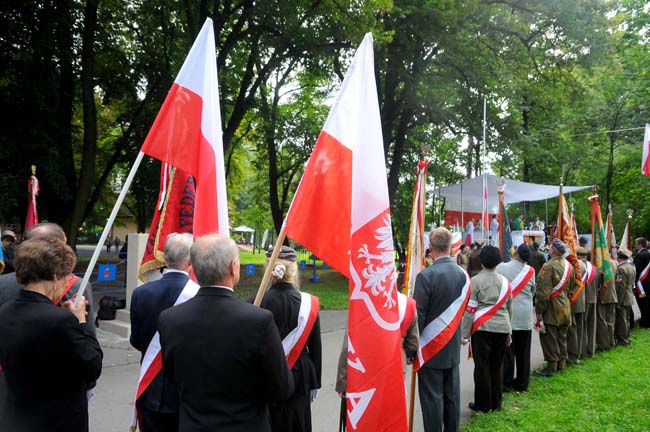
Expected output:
(610, 392)
(332, 290)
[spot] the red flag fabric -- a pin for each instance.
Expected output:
(32, 212)
(187, 133)
(645, 162)
(565, 232)
(341, 213)
(174, 213)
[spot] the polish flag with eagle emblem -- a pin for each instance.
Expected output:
(341, 213)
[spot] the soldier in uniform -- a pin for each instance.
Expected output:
(576, 332)
(553, 309)
(607, 300)
(625, 276)
(537, 259)
(642, 264)
(590, 279)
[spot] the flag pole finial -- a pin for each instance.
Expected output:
(629, 213)
(33, 170)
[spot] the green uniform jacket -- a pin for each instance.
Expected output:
(625, 276)
(554, 311)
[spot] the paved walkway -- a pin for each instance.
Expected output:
(112, 409)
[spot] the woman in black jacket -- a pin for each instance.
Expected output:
(300, 334)
(48, 354)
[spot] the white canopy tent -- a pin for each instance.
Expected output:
(243, 229)
(466, 195)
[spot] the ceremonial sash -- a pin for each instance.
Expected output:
(481, 316)
(438, 332)
(152, 361)
(407, 310)
(67, 288)
(642, 277)
(589, 275)
(557, 289)
(295, 341)
(521, 280)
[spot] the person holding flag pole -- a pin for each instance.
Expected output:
(642, 283)
(341, 213)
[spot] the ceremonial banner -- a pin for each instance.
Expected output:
(609, 228)
(599, 249)
(32, 212)
(174, 213)
(645, 162)
(415, 249)
(187, 133)
(626, 240)
(341, 213)
(566, 233)
(485, 217)
(456, 243)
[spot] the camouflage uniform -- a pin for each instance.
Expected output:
(607, 300)
(625, 276)
(555, 312)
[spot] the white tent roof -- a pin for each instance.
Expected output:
(243, 228)
(515, 191)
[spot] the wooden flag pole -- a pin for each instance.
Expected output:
(107, 228)
(412, 399)
(269, 267)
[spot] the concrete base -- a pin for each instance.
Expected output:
(120, 326)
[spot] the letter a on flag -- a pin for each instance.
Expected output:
(341, 213)
(187, 133)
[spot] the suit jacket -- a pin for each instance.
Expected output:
(436, 287)
(226, 358)
(9, 289)
(49, 359)
(147, 302)
(641, 261)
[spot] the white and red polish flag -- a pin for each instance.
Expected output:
(341, 213)
(645, 163)
(187, 133)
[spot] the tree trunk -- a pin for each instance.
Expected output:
(525, 131)
(89, 150)
(610, 168)
(470, 155)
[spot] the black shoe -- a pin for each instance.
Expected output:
(544, 373)
(508, 389)
(472, 406)
(573, 362)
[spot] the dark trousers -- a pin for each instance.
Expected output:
(439, 391)
(644, 307)
(518, 353)
(575, 337)
(488, 350)
(153, 421)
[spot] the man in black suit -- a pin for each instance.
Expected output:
(224, 354)
(158, 404)
(436, 288)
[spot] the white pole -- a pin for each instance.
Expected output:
(107, 228)
(484, 159)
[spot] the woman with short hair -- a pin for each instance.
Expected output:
(297, 318)
(487, 321)
(48, 354)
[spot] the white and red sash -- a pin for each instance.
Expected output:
(557, 289)
(152, 360)
(639, 285)
(407, 310)
(521, 280)
(481, 316)
(438, 332)
(295, 341)
(589, 275)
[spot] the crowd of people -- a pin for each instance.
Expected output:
(271, 372)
